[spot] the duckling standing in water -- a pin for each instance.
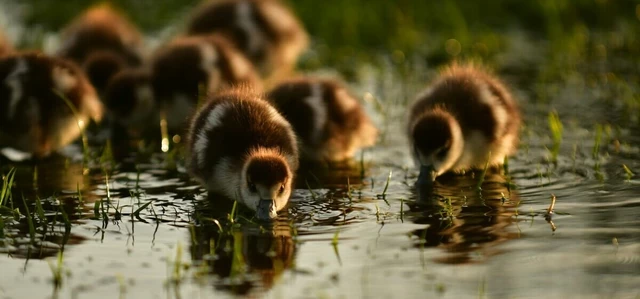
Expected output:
(242, 148)
(102, 42)
(265, 31)
(34, 117)
(330, 122)
(463, 119)
(191, 66)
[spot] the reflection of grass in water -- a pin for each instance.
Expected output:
(334, 244)
(238, 264)
(57, 270)
(386, 187)
(446, 213)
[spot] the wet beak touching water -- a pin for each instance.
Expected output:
(266, 209)
(427, 174)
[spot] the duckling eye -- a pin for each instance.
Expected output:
(281, 189)
(252, 187)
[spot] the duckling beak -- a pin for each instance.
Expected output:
(266, 209)
(427, 174)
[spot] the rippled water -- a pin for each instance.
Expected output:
(138, 227)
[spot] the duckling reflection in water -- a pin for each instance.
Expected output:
(466, 222)
(240, 252)
(464, 118)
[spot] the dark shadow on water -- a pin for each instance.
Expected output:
(468, 224)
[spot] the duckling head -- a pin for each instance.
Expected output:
(266, 184)
(437, 143)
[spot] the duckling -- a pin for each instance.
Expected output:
(190, 66)
(129, 100)
(242, 148)
(329, 121)
(266, 31)
(103, 42)
(5, 45)
(464, 120)
(34, 117)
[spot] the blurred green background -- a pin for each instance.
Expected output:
(409, 26)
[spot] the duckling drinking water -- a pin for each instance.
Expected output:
(242, 148)
(465, 119)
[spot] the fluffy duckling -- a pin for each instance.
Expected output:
(129, 99)
(103, 42)
(242, 148)
(464, 118)
(266, 31)
(34, 118)
(329, 121)
(191, 66)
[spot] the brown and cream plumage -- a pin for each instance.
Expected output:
(34, 114)
(266, 31)
(329, 121)
(465, 119)
(191, 67)
(242, 148)
(102, 41)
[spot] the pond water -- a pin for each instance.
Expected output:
(131, 224)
